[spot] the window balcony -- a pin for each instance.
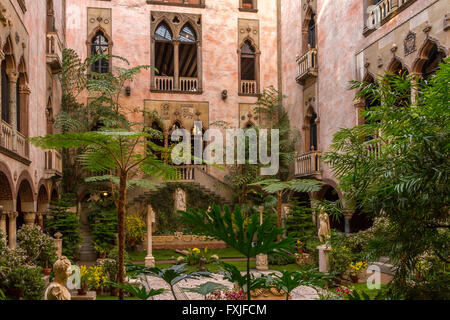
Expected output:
(249, 87)
(308, 165)
(167, 84)
(382, 11)
(16, 146)
(307, 66)
(54, 52)
(53, 164)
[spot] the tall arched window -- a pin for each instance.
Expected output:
(312, 32)
(99, 45)
(397, 69)
(18, 108)
(164, 58)
(5, 94)
(50, 16)
(248, 69)
(188, 57)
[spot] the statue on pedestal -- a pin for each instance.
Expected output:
(180, 199)
(57, 289)
(324, 226)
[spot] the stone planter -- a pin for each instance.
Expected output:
(354, 278)
(187, 238)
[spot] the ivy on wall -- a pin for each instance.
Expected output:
(163, 203)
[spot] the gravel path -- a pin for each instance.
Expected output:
(299, 293)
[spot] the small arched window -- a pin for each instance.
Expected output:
(5, 93)
(248, 58)
(100, 46)
(187, 34)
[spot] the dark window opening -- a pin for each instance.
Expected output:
(430, 67)
(5, 94)
(312, 32)
(188, 52)
(164, 51)
(248, 61)
(248, 4)
(18, 110)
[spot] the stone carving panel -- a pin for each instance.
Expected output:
(99, 18)
(248, 29)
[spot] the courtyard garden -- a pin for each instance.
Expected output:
(268, 244)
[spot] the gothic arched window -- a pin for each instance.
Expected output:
(435, 57)
(312, 32)
(100, 46)
(248, 68)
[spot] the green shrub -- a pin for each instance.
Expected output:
(39, 247)
(103, 222)
(280, 260)
(135, 230)
(340, 259)
(66, 223)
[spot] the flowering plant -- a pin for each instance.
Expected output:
(195, 255)
(226, 295)
(343, 292)
(356, 268)
(94, 276)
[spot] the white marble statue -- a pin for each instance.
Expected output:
(57, 289)
(324, 226)
(180, 199)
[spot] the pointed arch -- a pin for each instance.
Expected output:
(99, 42)
(430, 53)
(311, 130)
(163, 31)
(8, 50)
(188, 33)
(397, 64)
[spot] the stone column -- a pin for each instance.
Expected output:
(13, 76)
(262, 262)
(199, 66)
(24, 97)
(12, 229)
(58, 244)
(176, 64)
(414, 88)
(324, 251)
(149, 259)
(29, 218)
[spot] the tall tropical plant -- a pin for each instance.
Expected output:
(119, 146)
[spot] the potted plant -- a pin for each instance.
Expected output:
(83, 281)
(355, 270)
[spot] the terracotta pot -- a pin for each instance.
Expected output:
(114, 291)
(247, 6)
(83, 290)
(46, 271)
(354, 278)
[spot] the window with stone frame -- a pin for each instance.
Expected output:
(248, 69)
(5, 93)
(100, 46)
(176, 52)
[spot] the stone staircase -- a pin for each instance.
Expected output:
(193, 174)
(87, 252)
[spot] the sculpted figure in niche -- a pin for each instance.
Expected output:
(180, 199)
(324, 226)
(57, 289)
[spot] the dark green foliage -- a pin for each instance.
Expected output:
(103, 222)
(206, 288)
(169, 221)
(65, 222)
(280, 260)
(406, 182)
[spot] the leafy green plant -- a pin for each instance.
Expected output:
(206, 288)
(62, 220)
(340, 259)
(171, 276)
(103, 223)
(288, 280)
(243, 233)
(406, 182)
(137, 290)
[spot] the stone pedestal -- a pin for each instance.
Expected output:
(90, 295)
(29, 218)
(58, 244)
(324, 250)
(262, 263)
(12, 216)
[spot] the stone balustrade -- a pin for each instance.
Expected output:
(249, 87)
(188, 84)
(308, 164)
(307, 66)
(6, 135)
(53, 163)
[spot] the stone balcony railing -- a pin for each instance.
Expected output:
(53, 163)
(308, 164)
(307, 66)
(249, 87)
(54, 52)
(382, 12)
(21, 145)
(166, 83)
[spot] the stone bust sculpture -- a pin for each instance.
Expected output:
(57, 289)
(324, 226)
